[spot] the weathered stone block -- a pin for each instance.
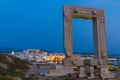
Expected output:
(91, 62)
(61, 71)
(105, 74)
(78, 62)
(94, 62)
(92, 76)
(103, 62)
(68, 61)
(82, 72)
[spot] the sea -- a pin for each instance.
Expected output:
(114, 60)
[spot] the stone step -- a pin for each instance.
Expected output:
(54, 74)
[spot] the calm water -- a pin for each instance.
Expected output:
(116, 62)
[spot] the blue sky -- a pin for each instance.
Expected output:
(39, 24)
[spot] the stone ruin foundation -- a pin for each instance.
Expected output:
(89, 68)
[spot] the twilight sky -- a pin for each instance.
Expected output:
(39, 24)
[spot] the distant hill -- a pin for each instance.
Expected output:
(88, 53)
(8, 50)
(83, 53)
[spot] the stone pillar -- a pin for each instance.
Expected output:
(100, 42)
(82, 72)
(97, 71)
(67, 35)
(67, 38)
(100, 37)
(105, 74)
(92, 76)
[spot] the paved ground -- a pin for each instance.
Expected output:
(34, 70)
(61, 78)
(117, 75)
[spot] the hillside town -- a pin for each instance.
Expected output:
(39, 56)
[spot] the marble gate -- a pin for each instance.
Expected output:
(99, 34)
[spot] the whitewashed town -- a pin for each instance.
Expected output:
(39, 56)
